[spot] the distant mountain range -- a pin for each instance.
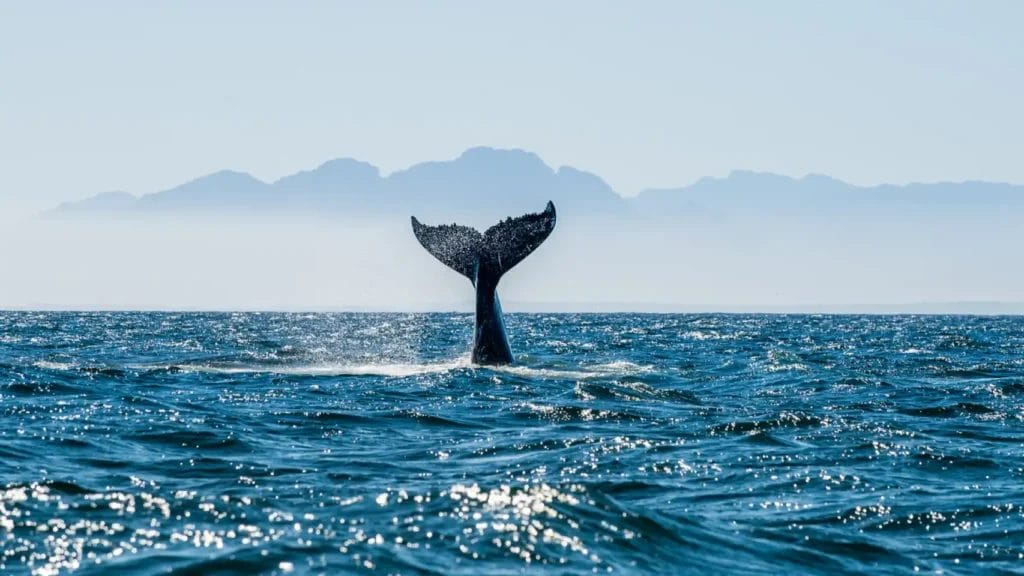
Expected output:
(492, 183)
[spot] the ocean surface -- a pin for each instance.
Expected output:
(193, 443)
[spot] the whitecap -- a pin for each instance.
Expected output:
(408, 369)
(391, 370)
(47, 365)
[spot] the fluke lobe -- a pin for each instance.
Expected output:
(484, 258)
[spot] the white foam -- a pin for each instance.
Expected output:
(405, 370)
(619, 368)
(397, 370)
(46, 365)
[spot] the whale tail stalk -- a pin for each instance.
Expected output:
(484, 258)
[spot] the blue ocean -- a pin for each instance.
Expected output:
(266, 443)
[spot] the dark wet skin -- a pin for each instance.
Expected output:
(484, 259)
(490, 342)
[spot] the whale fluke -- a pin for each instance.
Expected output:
(505, 244)
(515, 238)
(457, 247)
(484, 258)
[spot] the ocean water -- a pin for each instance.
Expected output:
(147, 443)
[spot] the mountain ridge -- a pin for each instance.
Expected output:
(502, 181)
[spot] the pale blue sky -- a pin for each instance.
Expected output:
(141, 96)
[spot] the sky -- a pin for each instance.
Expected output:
(141, 96)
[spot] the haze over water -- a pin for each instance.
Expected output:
(134, 443)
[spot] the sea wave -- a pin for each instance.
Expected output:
(368, 443)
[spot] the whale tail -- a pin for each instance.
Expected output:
(497, 250)
(484, 258)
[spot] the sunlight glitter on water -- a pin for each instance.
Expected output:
(531, 522)
(323, 444)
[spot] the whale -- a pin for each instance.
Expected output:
(484, 259)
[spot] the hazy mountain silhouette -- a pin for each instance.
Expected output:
(224, 189)
(746, 241)
(104, 201)
(745, 193)
(483, 182)
(487, 184)
(339, 183)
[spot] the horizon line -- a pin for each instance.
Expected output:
(961, 308)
